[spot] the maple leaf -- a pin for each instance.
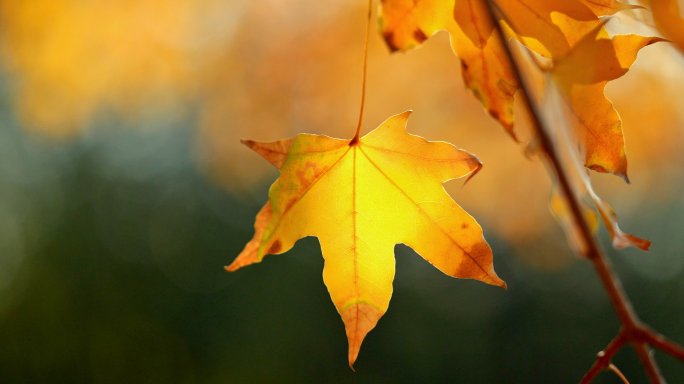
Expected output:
(550, 28)
(591, 122)
(360, 198)
(484, 64)
(569, 132)
(582, 76)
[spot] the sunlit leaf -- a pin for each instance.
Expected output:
(549, 28)
(484, 65)
(360, 199)
(669, 19)
(582, 76)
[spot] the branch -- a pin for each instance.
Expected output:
(643, 351)
(633, 330)
(604, 357)
(664, 344)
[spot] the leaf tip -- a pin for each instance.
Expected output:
(622, 173)
(646, 246)
(503, 285)
(658, 40)
(511, 132)
(251, 144)
(619, 171)
(496, 281)
(640, 243)
(359, 318)
(610, 220)
(473, 173)
(404, 115)
(233, 266)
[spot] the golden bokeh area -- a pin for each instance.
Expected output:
(267, 70)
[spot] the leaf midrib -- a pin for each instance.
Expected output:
(360, 147)
(424, 213)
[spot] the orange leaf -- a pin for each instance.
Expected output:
(667, 15)
(484, 65)
(549, 28)
(610, 220)
(582, 76)
(564, 135)
(362, 198)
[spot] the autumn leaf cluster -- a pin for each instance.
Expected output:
(362, 196)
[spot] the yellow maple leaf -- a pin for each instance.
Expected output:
(360, 198)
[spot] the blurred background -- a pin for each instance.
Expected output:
(124, 191)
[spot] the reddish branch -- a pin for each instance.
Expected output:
(604, 357)
(633, 331)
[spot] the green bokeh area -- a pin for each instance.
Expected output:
(112, 250)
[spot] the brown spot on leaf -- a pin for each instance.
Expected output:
(464, 66)
(389, 37)
(597, 168)
(419, 35)
(276, 247)
(464, 225)
(308, 174)
(494, 114)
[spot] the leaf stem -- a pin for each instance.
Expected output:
(618, 373)
(355, 139)
(633, 330)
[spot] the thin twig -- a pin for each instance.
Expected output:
(664, 344)
(617, 372)
(643, 351)
(604, 357)
(633, 331)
